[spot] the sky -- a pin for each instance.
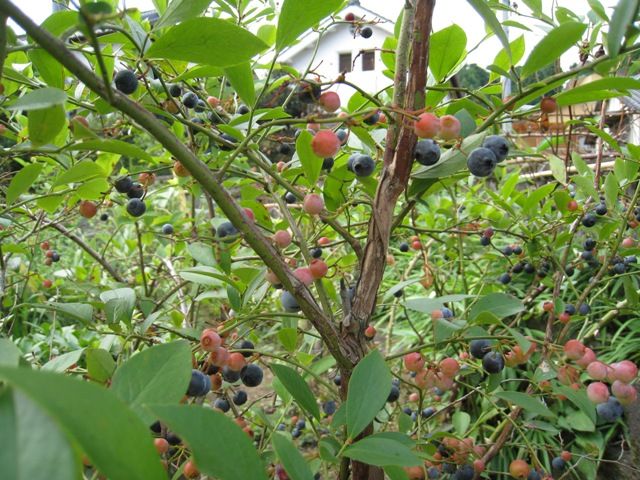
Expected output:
(446, 13)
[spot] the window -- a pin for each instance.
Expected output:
(368, 60)
(344, 62)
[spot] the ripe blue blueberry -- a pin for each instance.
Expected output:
(123, 184)
(136, 207)
(447, 313)
(361, 165)
(584, 309)
(246, 345)
(404, 247)
(619, 268)
(222, 404)
(534, 475)
(189, 100)
(518, 267)
(433, 473)
(373, 118)
(251, 375)
(290, 198)
(229, 375)
(493, 362)
(517, 250)
(167, 229)
(427, 412)
(55, 257)
(601, 209)
(589, 244)
(104, 217)
(394, 394)
(485, 241)
(481, 162)
(240, 397)
(126, 81)
(427, 152)
(366, 32)
(327, 164)
(479, 348)
(558, 464)
(505, 278)
(610, 411)
(242, 110)
(589, 220)
(289, 302)
(398, 293)
(226, 229)
(316, 252)
(570, 309)
(199, 385)
(529, 268)
(136, 191)
(498, 145)
(508, 250)
(329, 407)
(175, 90)
(465, 472)
(630, 259)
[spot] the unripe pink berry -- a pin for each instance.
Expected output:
(219, 357)
(413, 362)
(598, 392)
(304, 275)
(313, 204)
(626, 371)
(628, 242)
(625, 393)
(574, 349)
(210, 340)
(443, 382)
(449, 367)
(322, 241)
(414, 397)
(236, 361)
(370, 331)
(318, 268)
(325, 144)
(427, 125)
(598, 370)
(330, 101)
(249, 214)
(450, 127)
(588, 358)
(282, 238)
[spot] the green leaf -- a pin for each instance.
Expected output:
(113, 146)
(180, 10)
(579, 399)
(461, 421)
(311, 163)
(81, 171)
(76, 311)
(10, 355)
(482, 7)
(51, 71)
(585, 185)
(294, 463)
(576, 420)
(289, 338)
(267, 33)
(157, 375)
(504, 61)
(241, 79)
(97, 420)
(119, 304)
(21, 182)
(208, 41)
(39, 99)
(100, 364)
(45, 124)
(601, 89)
(33, 446)
(610, 190)
(202, 253)
(297, 16)
(622, 17)
(554, 44)
(499, 304)
(526, 401)
(369, 388)
(558, 169)
(93, 189)
(64, 361)
(297, 387)
(220, 448)
(381, 452)
(446, 46)
(428, 305)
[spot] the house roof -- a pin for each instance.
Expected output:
(307, 38)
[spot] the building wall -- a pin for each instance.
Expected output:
(326, 62)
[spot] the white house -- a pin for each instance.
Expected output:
(342, 49)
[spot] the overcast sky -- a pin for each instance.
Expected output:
(446, 13)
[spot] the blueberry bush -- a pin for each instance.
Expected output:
(212, 267)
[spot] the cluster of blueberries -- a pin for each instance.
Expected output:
(135, 191)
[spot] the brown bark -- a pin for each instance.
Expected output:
(412, 59)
